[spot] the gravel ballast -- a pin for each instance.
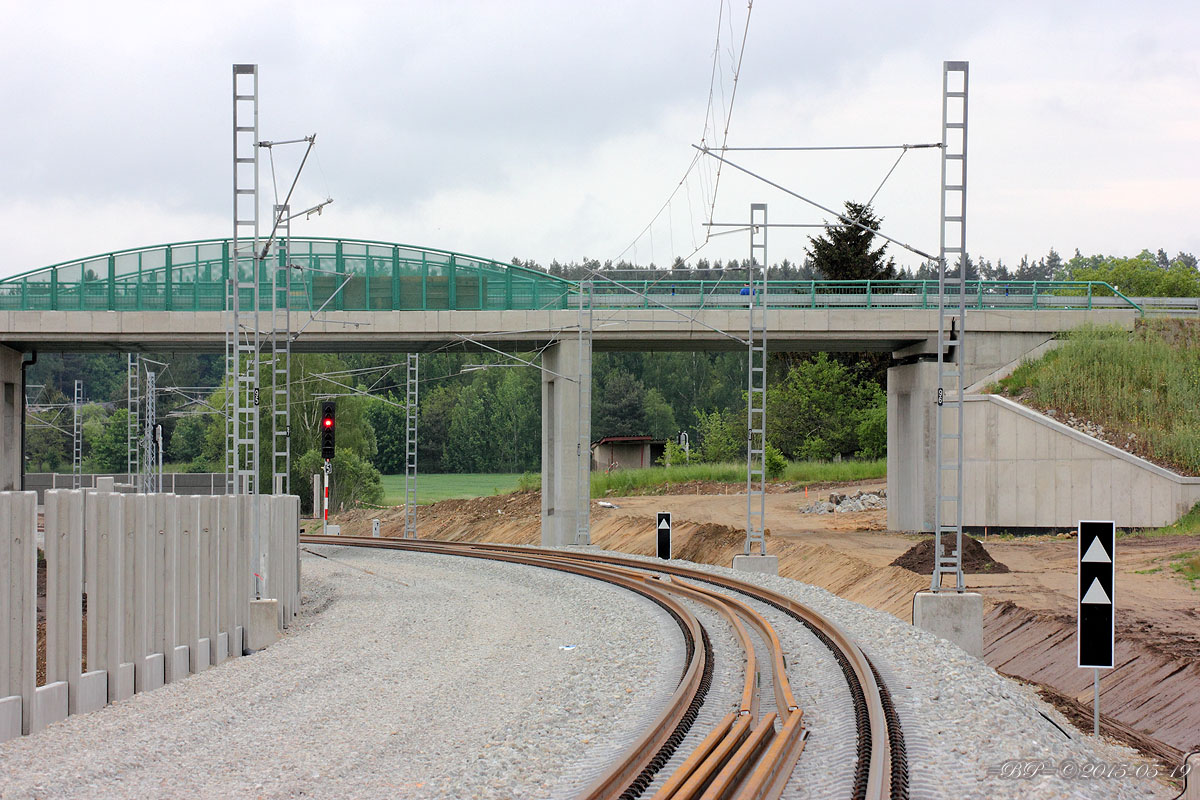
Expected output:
(413, 675)
(407, 675)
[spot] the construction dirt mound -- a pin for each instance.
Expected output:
(975, 558)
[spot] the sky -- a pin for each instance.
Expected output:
(565, 130)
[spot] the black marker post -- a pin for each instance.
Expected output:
(664, 535)
(1096, 631)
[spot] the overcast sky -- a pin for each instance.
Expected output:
(556, 130)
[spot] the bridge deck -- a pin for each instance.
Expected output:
(638, 329)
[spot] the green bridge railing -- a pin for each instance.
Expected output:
(194, 276)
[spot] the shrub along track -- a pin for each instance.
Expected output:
(742, 756)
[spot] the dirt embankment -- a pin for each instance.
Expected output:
(1028, 586)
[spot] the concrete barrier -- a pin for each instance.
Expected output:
(169, 583)
(18, 611)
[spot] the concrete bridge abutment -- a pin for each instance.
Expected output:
(562, 440)
(912, 468)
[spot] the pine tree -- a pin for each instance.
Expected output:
(844, 253)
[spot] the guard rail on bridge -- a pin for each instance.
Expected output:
(379, 276)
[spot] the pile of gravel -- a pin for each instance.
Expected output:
(843, 503)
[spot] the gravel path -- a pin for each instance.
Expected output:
(355, 702)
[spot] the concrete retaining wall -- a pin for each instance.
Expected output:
(168, 579)
(1022, 469)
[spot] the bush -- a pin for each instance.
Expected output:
(355, 480)
(717, 442)
(872, 431)
(774, 462)
(673, 455)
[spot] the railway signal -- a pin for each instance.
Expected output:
(1096, 628)
(327, 429)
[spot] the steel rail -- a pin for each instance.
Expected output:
(737, 758)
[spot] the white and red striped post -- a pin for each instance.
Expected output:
(325, 500)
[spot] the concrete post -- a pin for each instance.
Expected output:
(911, 442)
(174, 643)
(135, 589)
(560, 443)
(245, 578)
(64, 590)
(187, 599)
(107, 613)
(18, 611)
(227, 576)
(160, 584)
(208, 593)
(294, 550)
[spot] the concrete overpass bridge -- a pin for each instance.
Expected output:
(358, 296)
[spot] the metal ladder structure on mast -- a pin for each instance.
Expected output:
(133, 365)
(150, 479)
(583, 459)
(410, 448)
(756, 385)
(948, 481)
(281, 354)
(77, 438)
(242, 336)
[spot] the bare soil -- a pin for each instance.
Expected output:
(975, 558)
(1149, 700)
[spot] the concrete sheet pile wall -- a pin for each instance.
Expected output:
(1022, 469)
(168, 582)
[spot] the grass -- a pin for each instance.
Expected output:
(1187, 525)
(643, 481)
(1188, 565)
(432, 488)
(1146, 384)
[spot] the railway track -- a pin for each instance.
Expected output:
(749, 753)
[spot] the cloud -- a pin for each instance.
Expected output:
(556, 131)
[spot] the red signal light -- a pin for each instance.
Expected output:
(328, 422)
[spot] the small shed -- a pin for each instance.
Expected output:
(626, 452)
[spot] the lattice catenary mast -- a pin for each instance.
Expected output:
(948, 480)
(410, 447)
(756, 384)
(242, 334)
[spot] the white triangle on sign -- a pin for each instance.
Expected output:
(1096, 553)
(663, 524)
(1096, 594)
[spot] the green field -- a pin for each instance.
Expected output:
(431, 488)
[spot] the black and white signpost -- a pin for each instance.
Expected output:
(1097, 610)
(664, 535)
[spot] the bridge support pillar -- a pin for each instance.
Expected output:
(560, 442)
(911, 443)
(12, 408)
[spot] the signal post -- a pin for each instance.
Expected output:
(327, 433)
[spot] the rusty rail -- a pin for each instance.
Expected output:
(743, 756)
